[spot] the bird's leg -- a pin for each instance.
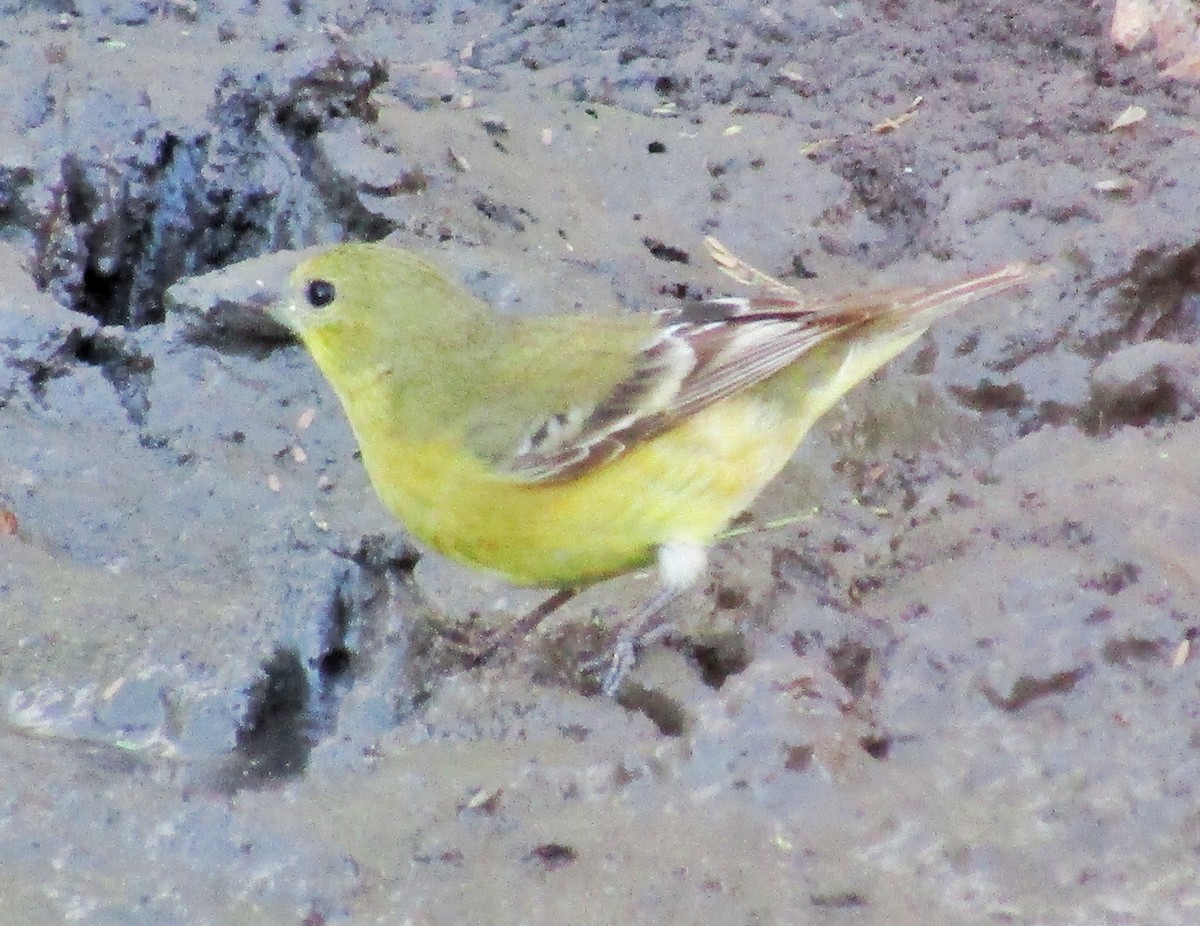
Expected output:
(525, 625)
(680, 564)
(650, 623)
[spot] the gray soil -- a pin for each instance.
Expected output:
(941, 674)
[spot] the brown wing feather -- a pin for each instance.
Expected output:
(704, 353)
(707, 351)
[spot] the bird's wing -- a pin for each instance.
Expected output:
(703, 352)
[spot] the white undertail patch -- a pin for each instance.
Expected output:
(681, 563)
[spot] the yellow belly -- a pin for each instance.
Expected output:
(685, 485)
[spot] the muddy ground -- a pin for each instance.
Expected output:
(941, 674)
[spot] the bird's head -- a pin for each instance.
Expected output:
(357, 303)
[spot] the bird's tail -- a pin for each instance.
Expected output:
(917, 308)
(876, 326)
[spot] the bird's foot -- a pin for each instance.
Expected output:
(622, 658)
(523, 627)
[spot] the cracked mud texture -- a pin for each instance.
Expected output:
(944, 672)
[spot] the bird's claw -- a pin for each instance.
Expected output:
(620, 662)
(622, 659)
(612, 667)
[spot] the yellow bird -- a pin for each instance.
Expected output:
(560, 450)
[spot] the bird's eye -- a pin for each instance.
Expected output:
(320, 293)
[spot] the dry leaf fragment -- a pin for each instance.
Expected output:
(791, 73)
(744, 273)
(1113, 185)
(483, 799)
(817, 145)
(894, 122)
(1175, 26)
(1132, 116)
(890, 124)
(1130, 23)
